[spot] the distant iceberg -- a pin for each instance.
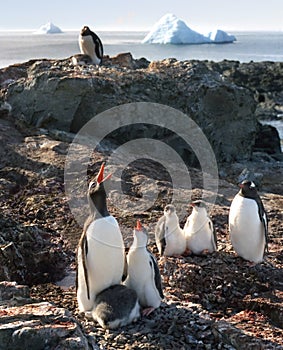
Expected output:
(219, 36)
(48, 28)
(171, 30)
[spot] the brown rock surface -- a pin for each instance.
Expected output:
(213, 302)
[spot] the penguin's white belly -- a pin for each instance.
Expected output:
(199, 239)
(105, 260)
(175, 243)
(141, 279)
(87, 47)
(246, 230)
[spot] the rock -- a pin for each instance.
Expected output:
(11, 290)
(26, 324)
(267, 139)
(22, 248)
(60, 96)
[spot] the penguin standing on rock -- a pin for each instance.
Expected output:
(170, 238)
(100, 256)
(199, 231)
(143, 272)
(91, 45)
(248, 223)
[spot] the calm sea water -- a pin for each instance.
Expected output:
(16, 47)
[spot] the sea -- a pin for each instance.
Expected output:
(21, 46)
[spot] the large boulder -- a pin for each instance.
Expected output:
(58, 95)
(27, 324)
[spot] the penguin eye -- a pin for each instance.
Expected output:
(92, 184)
(252, 185)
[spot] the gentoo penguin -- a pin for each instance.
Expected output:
(116, 306)
(100, 257)
(248, 223)
(170, 238)
(143, 272)
(199, 231)
(91, 45)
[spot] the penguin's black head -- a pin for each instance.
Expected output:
(85, 31)
(248, 189)
(169, 209)
(96, 192)
(198, 203)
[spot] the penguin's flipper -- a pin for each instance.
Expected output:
(265, 226)
(213, 236)
(83, 245)
(157, 276)
(263, 219)
(186, 223)
(125, 271)
(160, 235)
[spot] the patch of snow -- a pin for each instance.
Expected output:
(171, 30)
(48, 28)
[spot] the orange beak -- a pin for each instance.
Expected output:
(100, 176)
(139, 226)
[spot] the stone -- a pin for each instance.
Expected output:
(60, 96)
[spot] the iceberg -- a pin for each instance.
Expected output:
(219, 36)
(171, 30)
(48, 28)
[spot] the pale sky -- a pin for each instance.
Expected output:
(142, 14)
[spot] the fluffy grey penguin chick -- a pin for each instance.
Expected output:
(116, 306)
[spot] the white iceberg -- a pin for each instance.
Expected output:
(219, 36)
(48, 28)
(171, 30)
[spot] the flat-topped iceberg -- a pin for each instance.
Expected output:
(48, 28)
(171, 30)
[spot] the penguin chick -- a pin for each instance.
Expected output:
(199, 231)
(248, 227)
(143, 272)
(91, 45)
(100, 254)
(116, 306)
(169, 237)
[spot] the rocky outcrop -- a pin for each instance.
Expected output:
(58, 95)
(27, 324)
(25, 246)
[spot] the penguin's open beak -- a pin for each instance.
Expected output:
(138, 226)
(100, 176)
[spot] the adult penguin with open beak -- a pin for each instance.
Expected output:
(101, 252)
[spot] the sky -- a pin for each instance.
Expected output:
(201, 15)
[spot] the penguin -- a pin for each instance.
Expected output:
(248, 226)
(116, 306)
(169, 237)
(91, 45)
(199, 231)
(143, 272)
(100, 253)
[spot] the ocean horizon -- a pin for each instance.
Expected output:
(21, 46)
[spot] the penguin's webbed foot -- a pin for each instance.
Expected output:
(147, 311)
(187, 252)
(205, 252)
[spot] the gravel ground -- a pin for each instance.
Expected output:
(202, 294)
